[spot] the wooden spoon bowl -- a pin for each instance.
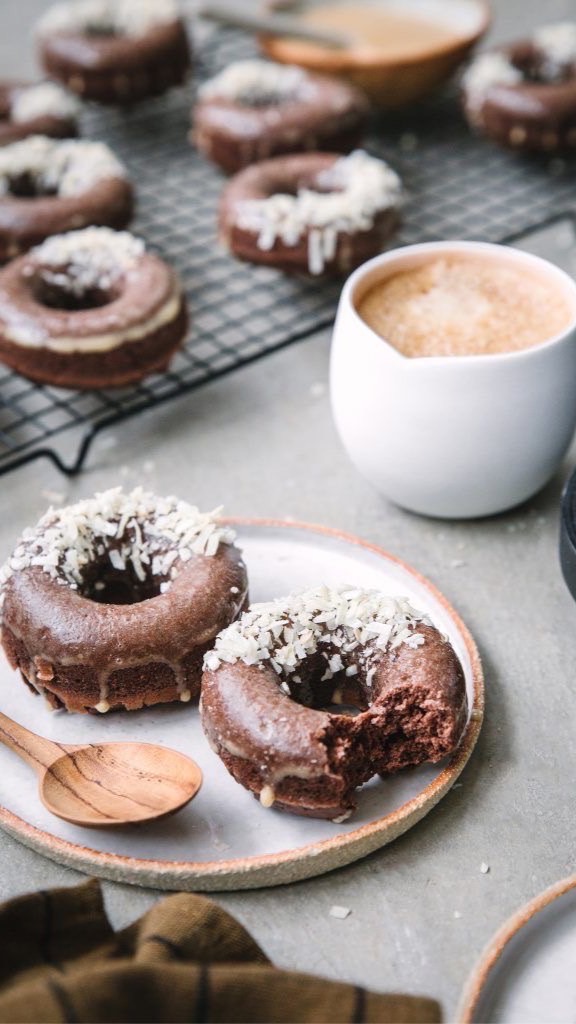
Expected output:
(101, 785)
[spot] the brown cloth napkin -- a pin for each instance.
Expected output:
(185, 960)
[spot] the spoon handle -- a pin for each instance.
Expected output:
(271, 25)
(35, 750)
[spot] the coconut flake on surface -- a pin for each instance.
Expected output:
(89, 258)
(557, 43)
(124, 17)
(137, 530)
(254, 82)
(287, 631)
(341, 913)
(485, 72)
(65, 167)
(357, 188)
(46, 99)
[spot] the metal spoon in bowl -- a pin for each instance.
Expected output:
(271, 25)
(105, 784)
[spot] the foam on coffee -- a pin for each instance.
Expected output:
(464, 305)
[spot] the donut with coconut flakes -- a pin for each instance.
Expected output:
(524, 95)
(90, 309)
(48, 186)
(112, 602)
(312, 213)
(255, 109)
(115, 51)
(42, 108)
(273, 679)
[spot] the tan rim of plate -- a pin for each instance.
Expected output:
(290, 865)
(494, 950)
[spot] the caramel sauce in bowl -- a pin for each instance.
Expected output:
(399, 50)
(448, 431)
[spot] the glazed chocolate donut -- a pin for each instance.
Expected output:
(255, 109)
(271, 674)
(112, 602)
(90, 309)
(115, 51)
(313, 213)
(48, 186)
(43, 108)
(524, 95)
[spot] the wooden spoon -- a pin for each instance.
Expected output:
(102, 784)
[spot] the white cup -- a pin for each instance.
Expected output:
(453, 436)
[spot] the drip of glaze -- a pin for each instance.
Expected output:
(267, 796)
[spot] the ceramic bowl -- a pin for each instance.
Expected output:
(392, 82)
(453, 436)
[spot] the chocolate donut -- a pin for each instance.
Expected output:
(48, 186)
(112, 602)
(255, 109)
(524, 95)
(271, 675)
(44, 108)
(90, 309)
(115, 51)
(313, 213)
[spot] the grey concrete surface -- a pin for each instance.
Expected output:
(262, 442)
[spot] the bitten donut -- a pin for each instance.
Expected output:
(90, 309)
(524, 95)
(271, 674)
(49, 186)
(44, 108)
(115, 51)
(312, 213)
(112, 602)
(255, 109)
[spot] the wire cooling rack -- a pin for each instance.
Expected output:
(457, 186)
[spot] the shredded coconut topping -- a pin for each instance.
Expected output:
(255, 83)
(120, 17)
(88, 259)
(139, 531)
(47, 99)
(485, 72)
(344, 624)
(557, 43)
(63, 168)
(358, 187)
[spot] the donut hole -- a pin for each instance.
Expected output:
(340, 694)
(103, 583)
(309, 183)
(102, 28)
(28, 185)
(258, 99)
(536, 69)
(62, 289)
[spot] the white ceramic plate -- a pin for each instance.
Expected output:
(225, 839)
(527, 975)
